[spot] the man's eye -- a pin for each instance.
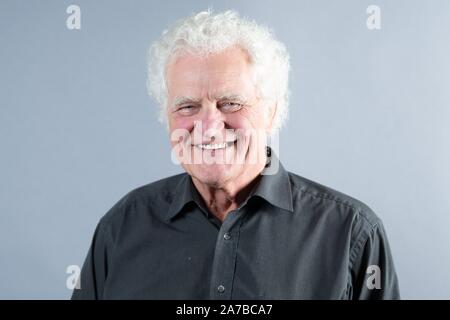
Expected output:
(231, 106)
(186, 109)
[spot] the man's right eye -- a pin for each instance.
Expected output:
(186, 110)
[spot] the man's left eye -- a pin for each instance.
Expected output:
(231, 106)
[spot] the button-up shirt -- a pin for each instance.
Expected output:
(292, 238)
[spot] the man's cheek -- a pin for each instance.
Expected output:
(243, 141)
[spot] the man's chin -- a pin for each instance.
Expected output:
(214, 174)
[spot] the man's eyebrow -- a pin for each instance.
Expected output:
(183, 100)
(231, 97)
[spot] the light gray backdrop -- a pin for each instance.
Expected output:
(370, 116)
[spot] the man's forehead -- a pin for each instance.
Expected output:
(217, 77)
(226, 57)
(236, 88)
(194, 80)
(218, 69)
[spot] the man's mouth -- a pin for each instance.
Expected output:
(214, 146)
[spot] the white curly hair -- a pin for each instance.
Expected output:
(206, 33)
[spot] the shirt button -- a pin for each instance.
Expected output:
(227, 236)
(221, 289)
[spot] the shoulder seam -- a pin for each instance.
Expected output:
(337, 200)
(361, 243)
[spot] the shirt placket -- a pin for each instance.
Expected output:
(224, 263)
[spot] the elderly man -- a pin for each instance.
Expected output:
(236, 225)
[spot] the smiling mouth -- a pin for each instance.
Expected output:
(215, 146)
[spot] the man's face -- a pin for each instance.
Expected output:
(208, 96)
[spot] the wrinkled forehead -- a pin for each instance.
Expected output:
(228, 72)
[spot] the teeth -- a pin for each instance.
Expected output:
(212, 146)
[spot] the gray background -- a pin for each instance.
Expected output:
(370, 116)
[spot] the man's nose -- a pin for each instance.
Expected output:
(213, 121)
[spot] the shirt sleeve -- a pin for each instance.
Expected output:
(94, 270)
(373, 272)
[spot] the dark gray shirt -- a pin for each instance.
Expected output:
(291, 239)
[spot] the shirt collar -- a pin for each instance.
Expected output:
(182, 194)
(274, 188)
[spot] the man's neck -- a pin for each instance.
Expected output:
(220, 200)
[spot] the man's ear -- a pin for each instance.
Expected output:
(271, 117)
